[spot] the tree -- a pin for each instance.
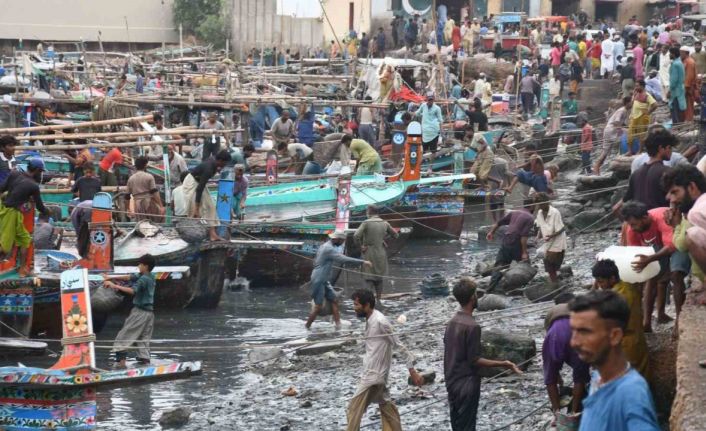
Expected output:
(205, 19)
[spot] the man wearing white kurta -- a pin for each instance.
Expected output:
(665, 63)
(607, 58)
(372, 388)
(551, 227)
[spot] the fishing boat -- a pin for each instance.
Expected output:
(315, 200)
(63, 396)
(289, 265)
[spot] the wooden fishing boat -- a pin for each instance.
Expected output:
(292, 262)
(315, 200)
(31, 304)
(64, 395)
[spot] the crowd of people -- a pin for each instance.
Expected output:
(600, 334)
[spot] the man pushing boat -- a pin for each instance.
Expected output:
(328, 254)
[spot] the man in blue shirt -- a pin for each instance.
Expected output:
(534, 178)
(432, 118)
(619, 398)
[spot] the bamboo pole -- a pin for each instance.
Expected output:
(57, 191)
(239, 101)
(77, 125)
(125, 134)
(63, 147)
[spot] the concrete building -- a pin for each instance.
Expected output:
(149, 22)
(256, 24)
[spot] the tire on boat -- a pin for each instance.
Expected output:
(192, 231)
(105, 300)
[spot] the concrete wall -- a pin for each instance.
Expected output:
(150, 21)
(255, 23)
(338, 14)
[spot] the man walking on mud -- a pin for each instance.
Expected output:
(462, 359)
(371, 236)
(372, 388)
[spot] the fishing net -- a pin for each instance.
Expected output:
(104, 108)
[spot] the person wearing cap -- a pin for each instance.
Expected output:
(329, 253)
(240, 191)
(618, 46)
(22, 188)
(137, 329)
(485, 158)
(690, 86)
(432, 118)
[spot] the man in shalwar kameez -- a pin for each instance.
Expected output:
(690, 86)
(676, 96)
(372, 388)
(199, 203)
(371, 236)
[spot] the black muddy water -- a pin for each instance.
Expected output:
(263, 315)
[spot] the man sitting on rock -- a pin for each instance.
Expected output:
(514, 245)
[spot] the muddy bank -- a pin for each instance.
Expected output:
(325, 382)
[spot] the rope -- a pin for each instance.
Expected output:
(66, 341)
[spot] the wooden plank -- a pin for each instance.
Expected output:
(107, 135)
(18, 130)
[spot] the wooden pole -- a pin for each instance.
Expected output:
(77, 125)
(331, 26)
(108, 189)
(127, 29)
(103, 135)
(19, 149)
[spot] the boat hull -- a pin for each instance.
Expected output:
(292, 266)
(439, 212)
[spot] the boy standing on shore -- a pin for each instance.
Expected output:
(138, 326)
